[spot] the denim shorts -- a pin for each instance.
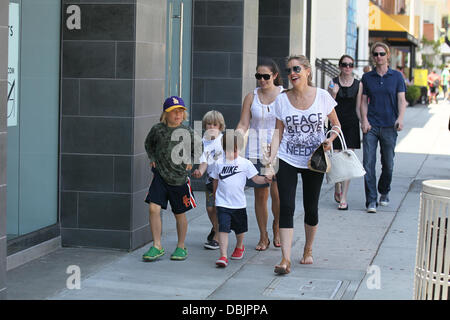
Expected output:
(259, 166)
(232, 219)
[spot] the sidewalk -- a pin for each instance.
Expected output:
(347, 244)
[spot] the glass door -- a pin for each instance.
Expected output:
(178, 58)
(33, 115)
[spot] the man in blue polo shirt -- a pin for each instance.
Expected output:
(382, 110)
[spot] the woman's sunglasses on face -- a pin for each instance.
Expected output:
(260, 76)
(381, 54)
(347, 65)
(296, 69)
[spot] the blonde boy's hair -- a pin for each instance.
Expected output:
(215, 117)
(164, 120)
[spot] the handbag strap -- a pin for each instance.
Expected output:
(341, 137)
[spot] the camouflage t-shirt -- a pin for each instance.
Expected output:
(160, 149)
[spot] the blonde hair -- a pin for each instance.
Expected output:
(380, 44)
(304, 61)
(215, 117)
(163, 119)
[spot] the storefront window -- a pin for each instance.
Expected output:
(33, 115)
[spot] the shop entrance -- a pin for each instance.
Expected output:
(33, 116)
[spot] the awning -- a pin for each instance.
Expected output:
(381, 25)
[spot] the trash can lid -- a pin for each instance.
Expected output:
(437, 187)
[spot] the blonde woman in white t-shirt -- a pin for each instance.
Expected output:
(257, 116)
(301, 113)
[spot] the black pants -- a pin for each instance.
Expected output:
(287, 178)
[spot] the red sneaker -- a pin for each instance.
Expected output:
(238, 254)
(222, 262)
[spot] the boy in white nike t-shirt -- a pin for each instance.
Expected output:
(230, 176)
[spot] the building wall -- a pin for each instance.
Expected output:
(274, 31)
(329, 20)
(250, 48)
(297, 34)
(217, 58)
(4, 4)
(111, 96)
(149, 85)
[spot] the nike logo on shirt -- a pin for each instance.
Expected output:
(228, 172)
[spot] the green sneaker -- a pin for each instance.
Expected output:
(179, 254)
(153, 253)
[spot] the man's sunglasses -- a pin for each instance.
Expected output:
(376, 54)
(260, 76)
(347, 65)
(296, 69)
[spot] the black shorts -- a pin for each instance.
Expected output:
(232, 219)
(181, 198)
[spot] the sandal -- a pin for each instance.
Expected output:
(343, 206)
(337, 196)
(179, 254)
(276, 244)
(307, 253)
(263, 248)
(283, 268)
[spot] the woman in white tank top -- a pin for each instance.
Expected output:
(257, 116)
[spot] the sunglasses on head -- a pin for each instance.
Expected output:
(260, 76)
(296, 69)
(381, 54)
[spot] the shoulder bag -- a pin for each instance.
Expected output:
(345, 165)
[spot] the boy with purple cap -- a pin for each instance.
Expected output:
(170, 159)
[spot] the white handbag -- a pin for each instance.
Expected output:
(345, 165)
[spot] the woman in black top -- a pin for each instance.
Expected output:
(347, 92)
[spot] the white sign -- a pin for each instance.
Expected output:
(13, 64)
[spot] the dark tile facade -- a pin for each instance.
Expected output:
(3, 140)
(274, 31)
(109, 102)
(218, 31)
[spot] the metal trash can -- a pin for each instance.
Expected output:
(432, 272)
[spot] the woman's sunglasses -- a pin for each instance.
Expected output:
(376, 54)
(296, 69)
(260, 76)
(347, 65)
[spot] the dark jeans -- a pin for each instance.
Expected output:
(387, 137)
(287, 177)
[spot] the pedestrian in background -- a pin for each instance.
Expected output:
(300, 125)
(382, 111)
(433, 83)
(170, 177)
(230, 176)
(214, 124)
(347, 92)
(444, 78)
(257, 115)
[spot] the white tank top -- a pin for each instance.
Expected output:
(262, 126)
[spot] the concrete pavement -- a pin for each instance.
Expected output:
(356, 255)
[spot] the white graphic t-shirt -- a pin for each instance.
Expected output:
(303, 129)
(212, 152)
(232, 176)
